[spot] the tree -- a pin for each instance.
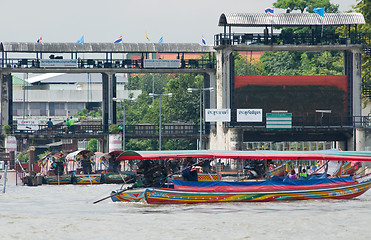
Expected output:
(309, 5)
(245, 65)
(92, 145)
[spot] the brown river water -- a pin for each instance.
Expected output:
(68, 212)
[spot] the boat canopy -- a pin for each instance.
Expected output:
(72, 156)
(213, 154)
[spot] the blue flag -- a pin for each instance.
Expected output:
(320, 11)
(161, 40)
(269, 10)
(118, 40)
(81, 40)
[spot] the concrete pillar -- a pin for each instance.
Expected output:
(222, 138)
(357, 79)
(6, 95)
(108, 105)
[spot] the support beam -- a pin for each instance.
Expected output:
(6, 95)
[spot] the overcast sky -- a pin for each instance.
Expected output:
(103, 21)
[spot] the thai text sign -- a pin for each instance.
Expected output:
(58, 63)
(28, 124)
(161, 63)
(249, 115)
(279, 120)
(217, 115)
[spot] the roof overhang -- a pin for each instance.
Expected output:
(28, 47)
(289, 19)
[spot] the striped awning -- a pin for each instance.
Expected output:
(289, 19)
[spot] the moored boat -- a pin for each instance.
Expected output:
(275, 189)
(80, 166)
(112, 169)
(53, 169)
(257, 191)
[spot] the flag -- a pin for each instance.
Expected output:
(269, 10)
(118, 40)
(320, 11)
(161, 40)
(203, 41)
(40, 40)
(81, 40)
(148, 37)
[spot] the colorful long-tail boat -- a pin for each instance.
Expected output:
(274, 189)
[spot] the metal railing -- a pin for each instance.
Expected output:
(289, 38)
(107, 63)
(186, 130)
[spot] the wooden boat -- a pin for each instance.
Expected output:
(133, 195)
(80, 166)
(256, 190)
(53, 169)
(110, 167)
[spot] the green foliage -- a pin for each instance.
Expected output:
(302, 5)
(40, 156)
(85, 114)
(307, 63)
(114, 128)
(22, 157)
(7, 129)
(92, 145)
(245, 65)
(145, 82)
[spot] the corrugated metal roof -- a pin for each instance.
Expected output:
(289, 19)
(105, 47)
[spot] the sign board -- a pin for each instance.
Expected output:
(10, 144)
(249, 115)
(161, 63)
(58, 63)
(279, 120)
(217, 115)
(28, 124)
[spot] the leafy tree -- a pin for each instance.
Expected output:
(22, 157)
(245, 66)
(92, 145)
(302, 5)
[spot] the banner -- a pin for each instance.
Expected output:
(161, 63)
(58, 63)
(217, 115)
(249, 115)
(28, 124)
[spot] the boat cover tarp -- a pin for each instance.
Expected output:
(264, 185)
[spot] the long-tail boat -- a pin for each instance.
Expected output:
(53, 169)
(274, 189)
(79, 164)
(110, 167)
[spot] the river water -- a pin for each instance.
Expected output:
(68, 212)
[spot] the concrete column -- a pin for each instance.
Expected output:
(108, 105)
(357, 79)
(6, 95)
(222, 138)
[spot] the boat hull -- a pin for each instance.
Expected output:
(166, 196)
(56, 180)
(135, 195)
(117, 178)
(85, 179)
